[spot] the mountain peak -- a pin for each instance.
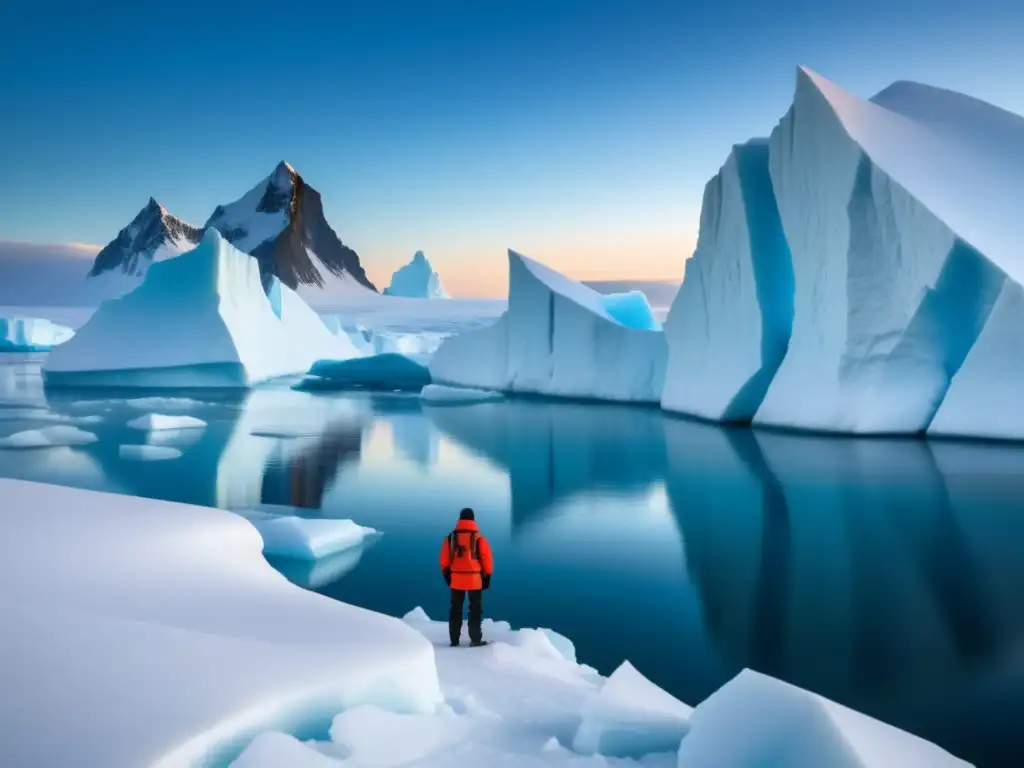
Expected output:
(153, 235)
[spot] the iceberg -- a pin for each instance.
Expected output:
(439, 394)
(630, 717)
(556, 338)
(417, 279)
(48, 437)
(384, 371)
(902, 237)
(31, 334)
(153, 422)
(729, 325)
(201, 319)
(757, 720)
(142, 596)
(305, 538)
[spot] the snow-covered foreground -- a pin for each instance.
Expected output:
(158, 636)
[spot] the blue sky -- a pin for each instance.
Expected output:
(581, 132)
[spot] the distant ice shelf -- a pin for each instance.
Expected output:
(31, 334)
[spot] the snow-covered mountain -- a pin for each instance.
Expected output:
(417, 279)
(281, 222)
(153, 235)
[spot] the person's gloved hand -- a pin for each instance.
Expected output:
(486, 578)
(448, 576)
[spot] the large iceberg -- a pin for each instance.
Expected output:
(201, 319)
(31, 334)
(902, 238)
(417, 279)
(729, 325)
(556, 338)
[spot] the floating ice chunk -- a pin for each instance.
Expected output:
(31, 334)
(441, 394)
(386, 371)
(279, 750)
(630, 717)
(148, 452)
(730, 323)
(304, 538)
(48, 437)
(757, 720)
(153, 422)
(201, 319)
(315, 574)
(376, 737)
(631, 309)
(417, 279)
(556, 338)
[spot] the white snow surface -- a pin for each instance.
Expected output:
(920, 231)
(755, 720)
(441, 394)
(417, 279)
(305, 538)
(31, 334)
(48, 437)
(201, 319)
(148, 452)
(631, 717)
(729, 325)
(556, 338)
(153, 422)
(158, 636)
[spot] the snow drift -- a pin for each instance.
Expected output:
(417, 279)
(144, 596)
(556, 338)
(31, 334)
(201, 319)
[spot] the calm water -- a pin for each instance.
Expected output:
(886, 575)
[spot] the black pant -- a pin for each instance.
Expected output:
(476, 615)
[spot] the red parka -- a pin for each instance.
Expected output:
(467, 572)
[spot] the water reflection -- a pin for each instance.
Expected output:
(552, 451)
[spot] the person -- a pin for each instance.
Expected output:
(467, 565)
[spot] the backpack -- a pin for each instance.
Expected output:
(456, 550)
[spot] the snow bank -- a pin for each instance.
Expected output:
(143, 596)
(153, 422)
(556, 338)
(31, 334)
(305, 538)
(48, 437)
(201, 319)
(440, 394)
(417, 279)
(386, 371)
(729, 325)
(631, 309)
(148, 452)
(757, 720)
(918, 236)
(630, 717)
